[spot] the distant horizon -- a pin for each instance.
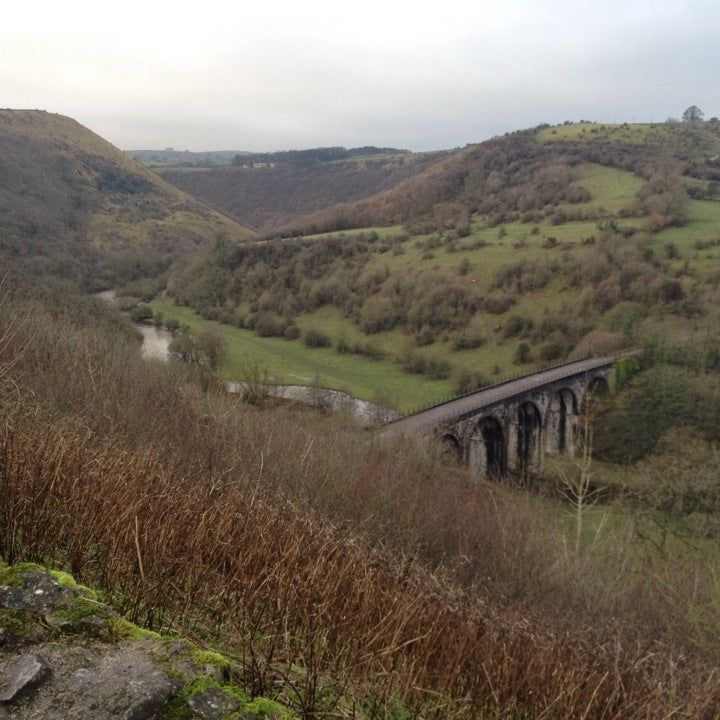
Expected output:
(382, 145)
(401, 74)
(421, 76)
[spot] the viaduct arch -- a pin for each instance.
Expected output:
(512, 426)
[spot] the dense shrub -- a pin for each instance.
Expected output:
(366, 349)
(141, 313)
(523, 276)
(417, 364)
(517, 325)
(654, 401)
(267, 325)
(466, 381)
(292, 332)
(379, 313)
(468, 341)
(523, 354)
(315, 338)
(497, 304)
(551, 351)
(425, 336)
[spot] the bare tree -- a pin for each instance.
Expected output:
(577, 484)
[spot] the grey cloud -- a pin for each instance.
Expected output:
(419, 77)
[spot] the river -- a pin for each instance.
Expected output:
(156, 346)
(155, 341)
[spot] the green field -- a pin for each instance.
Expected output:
(625, 133)
(632, 134)
(292, 363)
(611, 190)
(472, 262)
(703, 224)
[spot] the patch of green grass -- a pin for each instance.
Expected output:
(703, 224)
(634, 133)
(612, 525)
(291, 362)
(610, 189)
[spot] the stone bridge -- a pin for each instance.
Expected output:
(511, 426)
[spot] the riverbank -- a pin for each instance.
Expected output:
(156, 346)
(292, 363)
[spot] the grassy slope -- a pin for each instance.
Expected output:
(292, 363)
(70, 159)
(635, 134)
(268, 198)
(611, 190)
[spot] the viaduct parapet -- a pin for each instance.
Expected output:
(511, 426)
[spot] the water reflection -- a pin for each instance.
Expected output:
(155, 343)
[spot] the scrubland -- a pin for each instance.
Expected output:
(347, 578)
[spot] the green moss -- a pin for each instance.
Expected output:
(81, 609)
(268, 709)
(66, 580)
(209, 657)
(122, 629)
(13, 575)
(178, 709)
(15, 622)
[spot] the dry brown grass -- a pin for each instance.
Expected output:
(313, 557)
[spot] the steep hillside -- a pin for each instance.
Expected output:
(338, 577)
(512, 254)
(81, 206)
(269, 197)
(521, 176)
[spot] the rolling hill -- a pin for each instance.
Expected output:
(327, 576)
(268, 198)
(500, 257)
(84, 209)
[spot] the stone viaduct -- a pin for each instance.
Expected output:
(511, 426)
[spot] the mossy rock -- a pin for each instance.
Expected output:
(15, 624)
(12, 575)
(268, 709)
(68, 608)
(178, 709)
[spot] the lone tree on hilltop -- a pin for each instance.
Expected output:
(693, 114)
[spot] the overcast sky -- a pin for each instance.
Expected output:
(207, 75)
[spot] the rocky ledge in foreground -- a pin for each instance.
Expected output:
(64, 655)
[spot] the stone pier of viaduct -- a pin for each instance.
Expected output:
(512, 426)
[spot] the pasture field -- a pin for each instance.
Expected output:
(292, 363)
(472, 262)
(590, 131)
(703, 227)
